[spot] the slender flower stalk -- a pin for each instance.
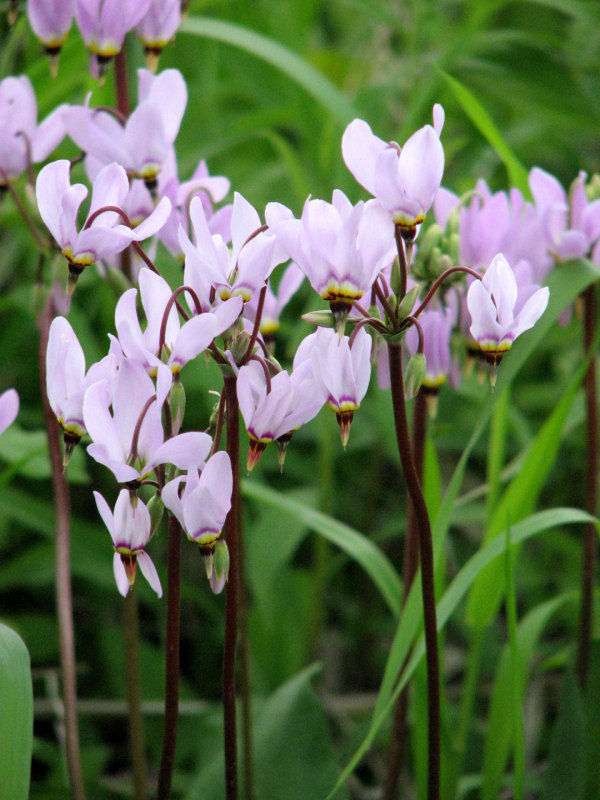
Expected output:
(64, 600)
(137, 741)
(423, 527)
(590, 542)
(171, 659)
(231, 596)
(411, 563)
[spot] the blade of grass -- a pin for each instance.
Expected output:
(280, 57)
(516, 682)
(521, 532)
(358, 547)
(16, 718)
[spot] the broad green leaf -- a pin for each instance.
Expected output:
(526, 529)
(16, 716)
(353, 543)
(487, 127)
(497, 744)
(280, 57)
(564, 778)
(519, 500)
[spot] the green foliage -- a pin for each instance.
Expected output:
(16, 717)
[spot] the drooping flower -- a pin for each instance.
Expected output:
(51, 22)
(182, 342)
(404, 180)
(341, 248)
(129, 529)
(22, 140)
(144, 143)
(342, 372)
(274, 409)
(492, 302)
(59, 202)
(157, 28)
(9, 408)
(131, 440)
(241, 270)
(67, 381)
(103, 25)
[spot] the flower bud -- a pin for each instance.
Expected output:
(176, 404)
(396, 276)
(414, 375)
(323, 319)
(407, 303)
(220, 567)
(156, 508)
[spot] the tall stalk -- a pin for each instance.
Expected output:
(423, 528)
(171, 660)
(64, 598)
(231, 593)
(590, 542)
(137, 743)
(409, 570)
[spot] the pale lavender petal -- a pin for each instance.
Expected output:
(185, 451)
(50, 132)
(149, 572)
(531, 311)
(171, 499)
(360, 151)
(421, 166)
(195, 336)
(98, 421)
(217, 477)
(120, 575)
(106, 514)
(9, 408)
(154, 222)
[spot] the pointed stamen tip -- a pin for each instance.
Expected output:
(152, 59)
(254, 453)
(431, 401)
(344, 419)
(53, 65)
(129, 561)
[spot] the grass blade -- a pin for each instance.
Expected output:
(16, 717)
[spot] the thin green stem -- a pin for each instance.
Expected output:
(423, 526)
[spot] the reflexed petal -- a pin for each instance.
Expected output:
(9, 408)
(531, 311)
(153, 223)
(120, 575)
(218, 479)
(187, 450)
(170, 497)
(421, 166)
(360, 150)
(195, 336)
(149, 572)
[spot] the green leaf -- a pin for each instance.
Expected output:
(280, 57)
(519, 499)
(487, 127)
(353, 543)
(565, 777)
(532, 526)
(16, 716)
(499, 728)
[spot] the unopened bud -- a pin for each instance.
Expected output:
(220, 567)
(414, 375)
(156, 508)
(592, 188)
(324, 319)
(177, 404)
(408, 302)
(396, 277)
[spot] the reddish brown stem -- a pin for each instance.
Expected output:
(64, 600)
(423, 527)
(438, 282)
(409, 570)
(137, 740)
(590, 540)
(171, 660)
(232, 591)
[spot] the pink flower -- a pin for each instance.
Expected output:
(67, 381)
(183, 342)
(210, 263)
(341, 248)
(130, 441)
(9, 408)
(51, 21)
(342, 372)
(491, 303)
(145, 142)
(59, 202)
(405, 181)
(129, 529)
(158, 27)
(273, 411)
(104, 23)
(21, 138)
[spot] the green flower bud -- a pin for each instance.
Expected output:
(414, 375)
(220, 567)
(407, 303)
(324, 319)
(156, 508)
(177, 405)
(396, 277)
